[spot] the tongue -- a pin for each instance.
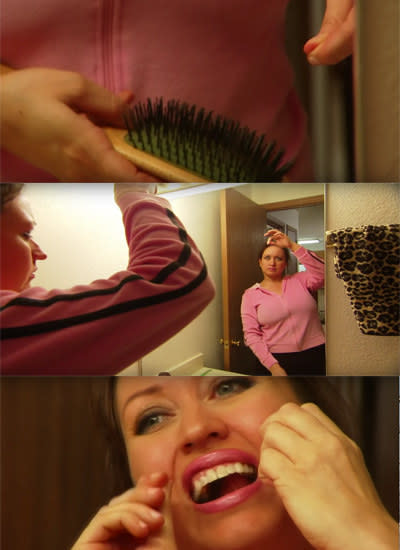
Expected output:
(232, 483)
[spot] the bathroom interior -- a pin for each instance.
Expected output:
(214, 340)
(52, 451)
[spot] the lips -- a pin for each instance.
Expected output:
(221, 479)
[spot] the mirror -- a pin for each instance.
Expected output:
(245, 214)
(79, 227)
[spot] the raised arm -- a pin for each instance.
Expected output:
(106, 326)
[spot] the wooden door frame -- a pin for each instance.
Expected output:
(314, 200)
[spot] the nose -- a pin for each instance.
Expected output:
(201, 427)
(37, 252)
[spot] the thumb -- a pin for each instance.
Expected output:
(98, 103)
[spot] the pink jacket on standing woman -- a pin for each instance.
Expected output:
(289, 322)
(103, 327)
(226, 56)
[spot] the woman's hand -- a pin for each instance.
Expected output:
(49, 119)
(277, 370)
(335, 39)
(320, 475)
(130, 521)
(280, 239)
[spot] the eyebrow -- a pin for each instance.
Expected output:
(151, 390)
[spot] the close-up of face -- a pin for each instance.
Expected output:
(273, 262)
(205, 434)
(19, 252)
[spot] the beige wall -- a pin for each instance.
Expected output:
(80, 229)
(348, 350)
(377, 91)
(200, 214)
(262, 193)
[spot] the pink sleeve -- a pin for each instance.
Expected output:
(109, 324)
(253, 334)
(314, 276)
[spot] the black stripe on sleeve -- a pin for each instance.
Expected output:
(158, 279)
(40, 328)
(30, 330)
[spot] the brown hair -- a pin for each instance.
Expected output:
(267, 245)
(9, 191)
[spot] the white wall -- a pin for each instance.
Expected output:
(200, 215)
(348, 350)
(80, 229)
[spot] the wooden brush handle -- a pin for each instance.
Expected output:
(149, 163)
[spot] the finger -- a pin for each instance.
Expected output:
(156, 479)
(127, 96)
(334, 41)
(286, 441)
(88, 97)
(151, 496)
(148, 488)
(316, 412)
(299, 419)
(92, 157)
(274, 466)
(136, 519)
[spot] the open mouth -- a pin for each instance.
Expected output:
(213, 483)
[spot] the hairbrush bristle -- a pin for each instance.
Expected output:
(206, 144)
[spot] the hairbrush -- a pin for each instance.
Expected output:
(182, 143)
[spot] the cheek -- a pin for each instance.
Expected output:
(20, 252)
(250, 419)
(148, 457)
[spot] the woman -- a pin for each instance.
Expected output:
(91, 59)
(105, 326)
(279, 315)
(238, 464)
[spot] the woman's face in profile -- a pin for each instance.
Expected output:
(205, 434)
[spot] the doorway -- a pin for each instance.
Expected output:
(243, 224)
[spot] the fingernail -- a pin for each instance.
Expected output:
(313, 60)
(309, 47)
(155, 514)
(155, 476)
(153, 491)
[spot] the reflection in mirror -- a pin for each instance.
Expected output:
(79, 227)
(244, 217)
(304, 225)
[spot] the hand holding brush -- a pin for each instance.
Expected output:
(171, 140)
(51, 119)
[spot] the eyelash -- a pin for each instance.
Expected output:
(27, 236)
(142, 425)
(238, 384)
(244, 384)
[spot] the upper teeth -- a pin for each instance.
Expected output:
(205, 477)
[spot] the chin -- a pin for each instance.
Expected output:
(254, 525)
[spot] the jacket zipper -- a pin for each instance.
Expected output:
(107, 36)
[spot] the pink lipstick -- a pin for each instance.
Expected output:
(221, 479)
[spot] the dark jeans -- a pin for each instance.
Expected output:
(310, 362)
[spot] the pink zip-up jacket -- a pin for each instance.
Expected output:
(288, 322)
(103, 327)
(225, 55)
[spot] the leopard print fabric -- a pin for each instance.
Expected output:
(367, 259)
